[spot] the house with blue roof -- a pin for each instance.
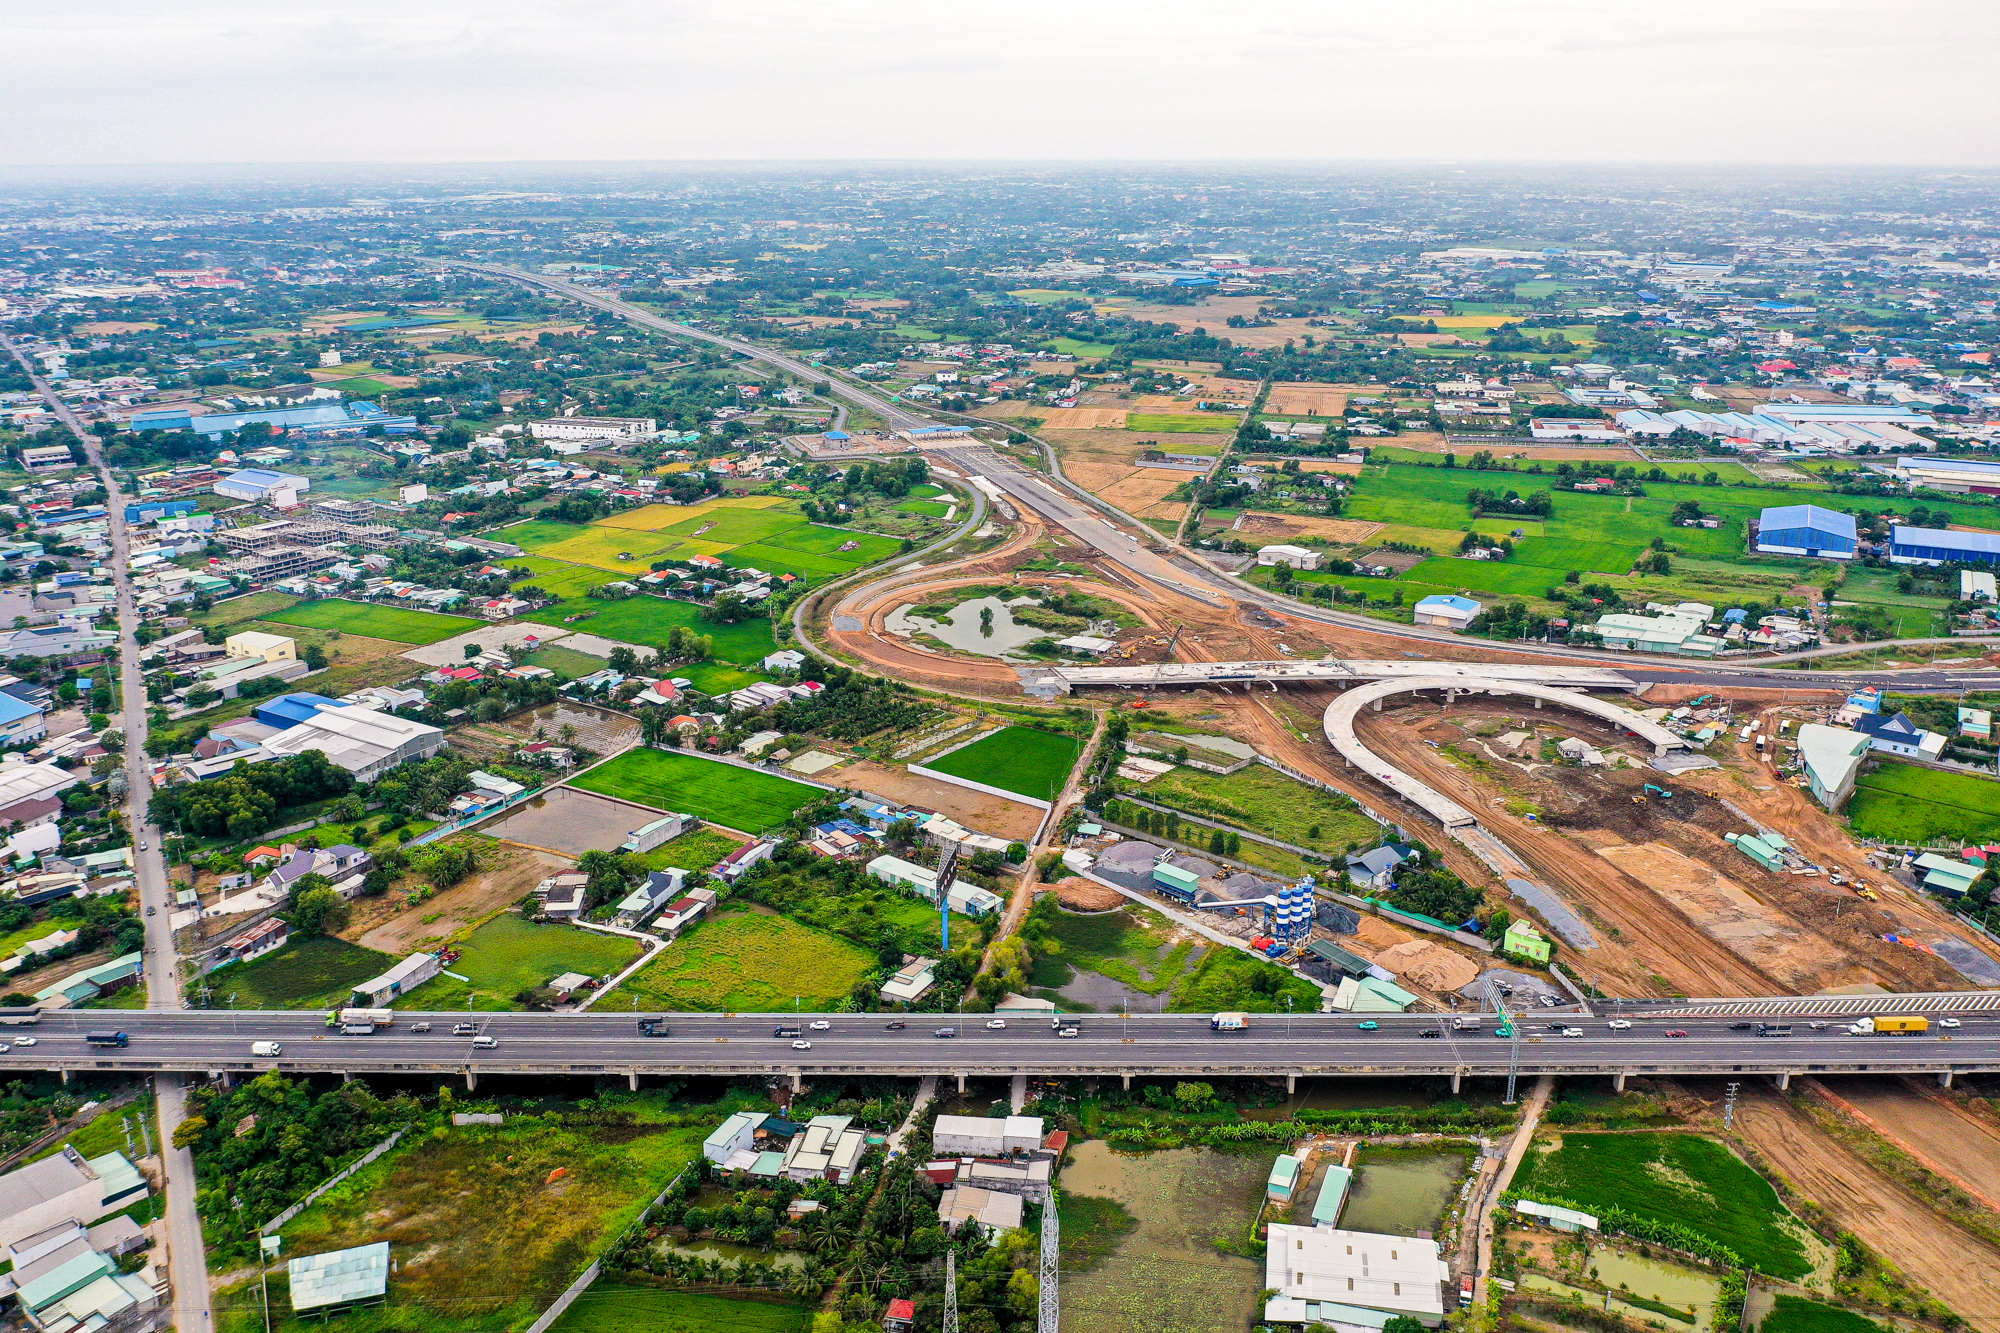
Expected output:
(1446, 611)
(20, 722)
(1808, 530)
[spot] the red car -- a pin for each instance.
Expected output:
(1675, 1032)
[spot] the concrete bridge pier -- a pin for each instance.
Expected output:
(1291, 1084)
(1538, 705)
(1944, 1079)
(1457, 1075)
(1125, 1081)
(345, 1078)
(227, 1079)
(1017, 1094)
(1617, 1081)
(1785, 1082)
(632, 1079)
(798, 1082)
(1376, 706)
(471, 1081)
(65, 1075)
(961, 1084)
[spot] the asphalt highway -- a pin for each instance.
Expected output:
(1107, 1044)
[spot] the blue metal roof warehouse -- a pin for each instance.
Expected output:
(1806, 530)
(1935, 546)
(288, 710)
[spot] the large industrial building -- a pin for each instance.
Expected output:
(1807, 530)
(617, 429)
(1937, 546)
(256, 483)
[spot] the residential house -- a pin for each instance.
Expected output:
(1831, 757)
(252, 943)
(652, 893)
(65, 1189)
(1899, 735)
(1366, 1270)
(404, 977)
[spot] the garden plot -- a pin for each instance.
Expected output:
(1904, 803)
(375, 622)
(1306, 400)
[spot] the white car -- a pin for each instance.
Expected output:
(1572, 1032)
(802, 1045)
(1942, 1022)
(996, 1022)
(1067, 1032)
(819, 1025)
(24, 1041)
(1620, 1025)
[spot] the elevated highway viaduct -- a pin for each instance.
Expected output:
(1144, 1045)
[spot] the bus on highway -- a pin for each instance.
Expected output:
(19, 1017)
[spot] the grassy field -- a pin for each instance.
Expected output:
(647, 621)
(256, 606)
(1904, 803)
(564, 662)
(1794, 1314)
(1679, 1178)
(737, 798)
(692, 851)
(312, 974)
(609, 1308)
(485, 1238)
(751, 962)
(1232, 979)
(1018, 759)
(1264, 801)
(376, 622)
(1129, 946)
(510, 954)
(1072, 347)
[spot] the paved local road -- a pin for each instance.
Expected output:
(1107, 1044)
(187, 1260)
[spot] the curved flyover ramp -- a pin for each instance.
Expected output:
(1340, 715)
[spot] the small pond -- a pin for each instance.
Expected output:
(968, 629)
(1168, 1276)
(1402, 1191)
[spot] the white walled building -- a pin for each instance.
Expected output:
(1298, 557)
(620, 429)
(1399, 1274)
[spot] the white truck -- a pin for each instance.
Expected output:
(267, 1048)
(1230, 1022)
(361, 1018)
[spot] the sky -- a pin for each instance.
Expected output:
(1832, 82)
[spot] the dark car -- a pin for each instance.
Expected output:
(895, 1025)
(1430, 1032)
(1741, 1027)
(945, 1032)
(1557, 1027)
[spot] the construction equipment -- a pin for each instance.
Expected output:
(1661, 792)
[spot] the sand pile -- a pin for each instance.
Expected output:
(1431, 966)
(1376, 933)
(1082, 895)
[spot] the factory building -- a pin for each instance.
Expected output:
(1807, 530)
(1937, 546)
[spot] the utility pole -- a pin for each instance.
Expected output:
(1729, 1106)
(947, 875)
(1051, 1320)
(951, 1291)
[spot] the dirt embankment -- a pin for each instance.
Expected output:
(1959, 1269)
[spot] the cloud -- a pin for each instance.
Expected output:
(1466, 80)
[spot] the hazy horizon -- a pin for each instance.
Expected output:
(1444, 82)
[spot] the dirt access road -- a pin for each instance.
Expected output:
(1959, 1269)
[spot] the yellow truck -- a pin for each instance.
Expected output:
(1891, 1023)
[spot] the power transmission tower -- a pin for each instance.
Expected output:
(947, 875)
(1051, 1320)
(951, 1291)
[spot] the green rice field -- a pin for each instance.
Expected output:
(1905, 803)
(738, 798)
(610, 1308)
(376, 622)
(1177, 423)
(1683, 1179)
(1017, 759)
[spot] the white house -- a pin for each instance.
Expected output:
(1298, 557)
(732, 1136)
(785, 659)
(648, 836)
(985, 1136)
(659, 888)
